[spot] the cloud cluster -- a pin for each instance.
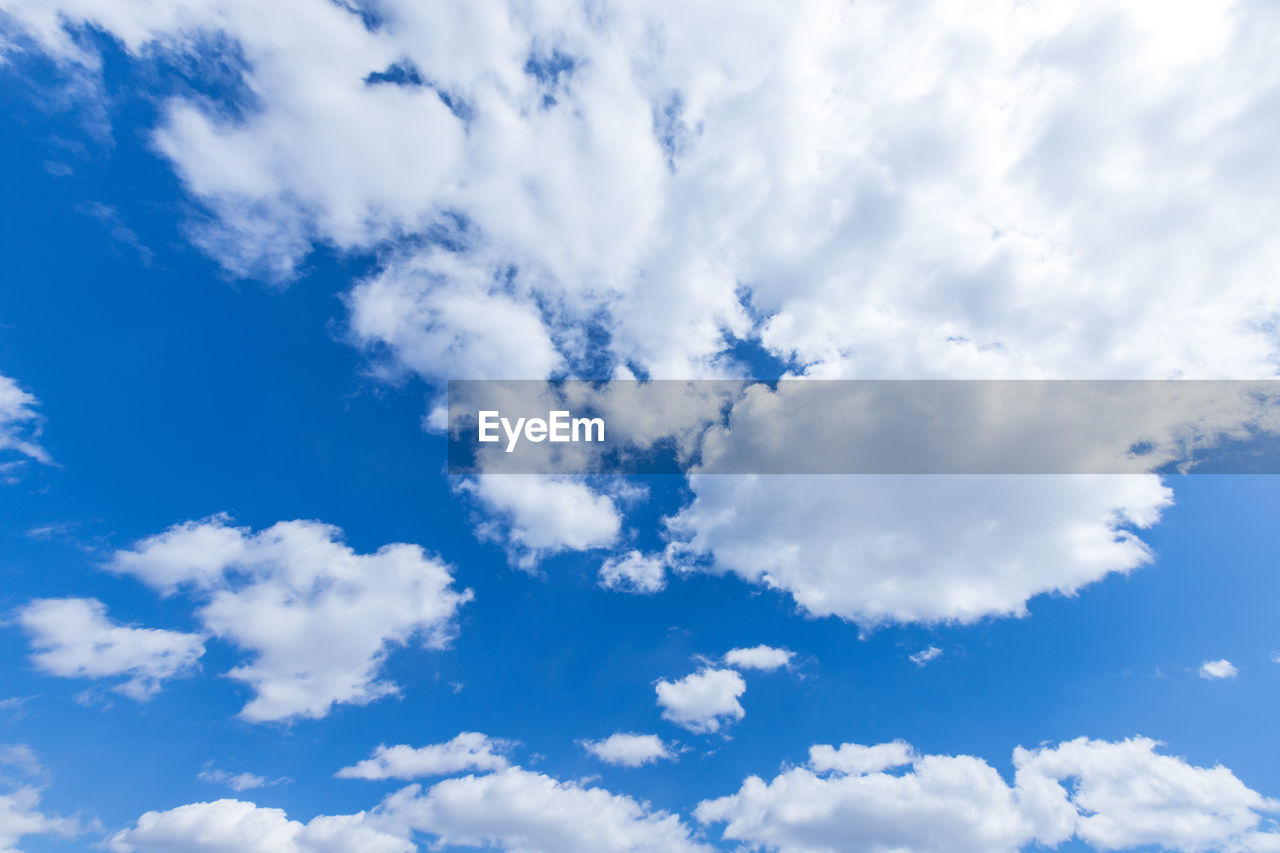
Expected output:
(317, 618)
(1111, 795)
(242, 826)
(510, 809)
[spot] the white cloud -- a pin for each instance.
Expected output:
(634, 572)
(318, 618)
(511, 809)
(628, 749)
(20, 813)
(858, 759)
(538, 516)
(759, 657)
(20, 816)
(19, 422)
(953, 803)
(703, 701)
(1129, 795)
(74, 638)
(467, 751)
(878, 549)
(990, 211)
(1218, 669)
(237, 782)
(226, 825)
(1110, 795)
(526, 812)
(922, 657)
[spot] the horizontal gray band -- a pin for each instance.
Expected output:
(801, 426)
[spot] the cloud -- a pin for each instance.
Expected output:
(1129, 795)
(317, 618)
(224, 825)
(634, 572)
(1218, 669)
(519, 810)
(20, 816)
(953, 803)
(881, 549)
(759, 657)
(922, 657)
(74, 638)
(19, 422)
(20, 813)
(538, 516)
(987, 212)
(1111, 795)
(510, 809)
(627, 749)
(467, 751)
(703, 701)
(238, 782)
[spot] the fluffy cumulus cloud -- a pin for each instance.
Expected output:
(634, 572)
(628, 749)
(538, 516)
(510, 809)
(876, 549)
(702, 701)
(1129, 795)
(527, 812)
(225, 825)
(317, 618)
(19, 424)
(467, 751)
(759, 657)
(1216, 670)
(74, 638)
(1111, 795)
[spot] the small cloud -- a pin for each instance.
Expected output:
(1218, 669)
(238, 781)
(923, 656)
(627, 749)
(1275, 657)
(467, 751)
(121, 235)
(48, 532)
(634, 572)
(762, 657)
(703, 702)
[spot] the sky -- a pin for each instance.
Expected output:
(245, 607)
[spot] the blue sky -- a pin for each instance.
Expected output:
(254, 321)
